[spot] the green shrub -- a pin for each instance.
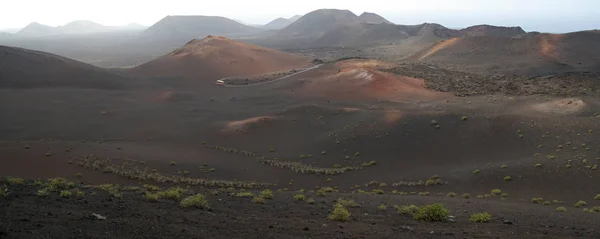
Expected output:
(346, 202)
(310, 201)
(259, 200)
(410, 209)
(466, 195)
(4, 191)
(504, 195)
(480, 196)
(339, 213)
(43, 192)
(151, 187)
(476, 171)
(539, 165)
(595, 209)
(79, 175)
(378, 191)
(561, 209)
(266, 194)
(546, 203)
(382, 207)
(66, 193)
(580, 203)
(15, 181)
(57, 184)
(172, 163)
(197, 200)
(496, 192)
(537, 200)
(481, 217)
(597, 197)
(424, 194)
(299, 197)
(151, 196)
(245, 194)
(504, 166)
(451, 195)
(172, 193)
(79, 194)
(507, 178)
(433, 212)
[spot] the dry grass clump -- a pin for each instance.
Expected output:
(339, 213)
(433, 212)
(481, 217)
(198, 201)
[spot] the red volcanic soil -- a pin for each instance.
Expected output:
(360, 80)
(216, 57)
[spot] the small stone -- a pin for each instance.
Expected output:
(306, 228)
(507, 222)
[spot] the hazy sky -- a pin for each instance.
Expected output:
(538, 15)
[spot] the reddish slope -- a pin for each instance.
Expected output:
(216, 57)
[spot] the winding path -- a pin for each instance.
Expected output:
(265, 82)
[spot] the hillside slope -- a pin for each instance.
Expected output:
(22, 68)
(533, 54)
(216, 57)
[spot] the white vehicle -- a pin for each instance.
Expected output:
(220, 82)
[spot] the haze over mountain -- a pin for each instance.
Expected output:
(79, 27)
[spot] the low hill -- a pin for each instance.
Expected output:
(277, 24)
(22, 68)
(531, 54)
(82, 27)
(215, 57)
(295, 18)
(372, 18)
(487, 30)
(181, 29)
(35, 29)
(317, 23)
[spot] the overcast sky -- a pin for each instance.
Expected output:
(532, 15)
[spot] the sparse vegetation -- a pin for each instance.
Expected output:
(382, 207)
(424, 194)
(66, 194)
(43, 192)
(15, 181)
(339, 213)
(597, 197)
(507, 178)
(198, 201)
(466, 195)
(4, 191)
(259, 200)
(171, 193)
(299, 197)
(310, 201)
(433, 212)
(451, 195)
(410, 209)
(172, 163)
(561, 209)
(266, 194)
(496, 192)
(481, 217)
(244, 194)
(476, 171)
(378, 191)
(346, 202)
(580, 203)
(537, 200)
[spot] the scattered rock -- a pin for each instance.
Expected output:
(507, 222)
(406, 228)
(306, 228)
(98, 216)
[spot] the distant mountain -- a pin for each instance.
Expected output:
(317, 23)
(368, 17)
(180, 29)
(35, 29)
(277, 24)
(214, 57)
(22, 68)
(295, 18)
(79, 27)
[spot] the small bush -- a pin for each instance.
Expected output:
(539, 165)
(546, 203)
(172, 193)
(561, 209)
(433, 212)
(172, 163)
(537, 200)
(504, 195)
(266, 194)
(329, 180)
(79, 194)
(504, 166)
(151, 187)
(580, 203)
(451, 195)
(197, 200)
(424, 194)
(339, 213)
(496, 192)
(79, 175)
(382, 207)
(15, 181)
(476, 171)
(4, 191)
(464, 118)
(244, 194)
(151, 196)
(299, 197)
(466, 195)
(597, 197)
(507, 178)
(481, 217)
(346, 202)
(410, 209)
(43, 192)
(310, 201)
(378, 191)
(480, 196)
(259, 200)
(66, 194)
